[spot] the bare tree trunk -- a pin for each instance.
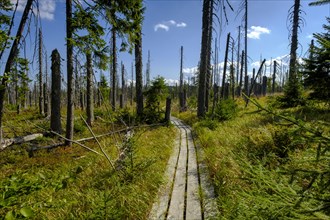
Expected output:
(123, 86)
(238, 54)
(245, 44)
(209, 51)
(181, 99)
(274, 76)
(55, 115)
(148, 71)
(70, 81)
(241, 75)
(138, 73)
(203, 60)
(90, 90)
(225, 68)
(114, 69)
(132, 84)
(46, 91)
(10, 60)
(294, 41)
(41, 90)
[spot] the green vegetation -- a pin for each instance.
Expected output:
(268, 163)
(72, 183)
(155, 97)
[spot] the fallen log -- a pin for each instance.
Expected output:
(19, 140)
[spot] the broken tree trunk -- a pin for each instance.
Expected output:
(55, 115)
(19, 140)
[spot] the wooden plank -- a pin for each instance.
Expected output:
(159, 208)
(193, 210)
(176, 209)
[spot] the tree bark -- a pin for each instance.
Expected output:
(114, 69)
(294, 41)
(138, 72)
(203, 60)
(41, 90)
(90, 90)
(245, 44)
(123, 87)
(12, 54)
(225, 68)
(55, 114)
(181, 98)
(70, 81)
(241, 75)
(19, 140)
(209, 51)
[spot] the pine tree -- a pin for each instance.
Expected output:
(317, 66)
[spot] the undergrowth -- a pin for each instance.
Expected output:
(270, 165)
(72, 183)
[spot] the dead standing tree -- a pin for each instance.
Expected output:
(41, 90)
(55, 116)
(70, 81)
(10, 60)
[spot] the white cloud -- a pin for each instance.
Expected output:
(256, 31)
(165, 25)
(182, 24)
(161, 26)
(172, 82)
(46, 8)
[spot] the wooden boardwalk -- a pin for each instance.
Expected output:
(188, 193)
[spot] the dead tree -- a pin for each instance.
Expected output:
(138, 73)
(10, 60)
(41, 90)
(113, 69)
(225, 68)
(123, 87)
(55, 115)
(274, 77)
(181, 96)
(70, 81)
(90, 90)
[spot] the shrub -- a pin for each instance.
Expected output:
(225, 110)
(155, 95)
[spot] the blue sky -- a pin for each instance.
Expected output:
(170, 24)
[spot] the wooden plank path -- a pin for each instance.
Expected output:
(188, 194)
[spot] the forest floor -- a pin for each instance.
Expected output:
(188, 193)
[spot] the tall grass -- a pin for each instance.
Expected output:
(265, 167)
(70, 183)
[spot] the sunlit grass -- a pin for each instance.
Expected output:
(72, 183)
(251, 156)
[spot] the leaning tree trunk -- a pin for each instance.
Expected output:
(203, 60)
(90, 90)
(138, 72)
(55, 114)
(10, 60)
(225, 68)
(70, 81)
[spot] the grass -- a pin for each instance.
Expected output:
(264, 167)
(72, 183)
